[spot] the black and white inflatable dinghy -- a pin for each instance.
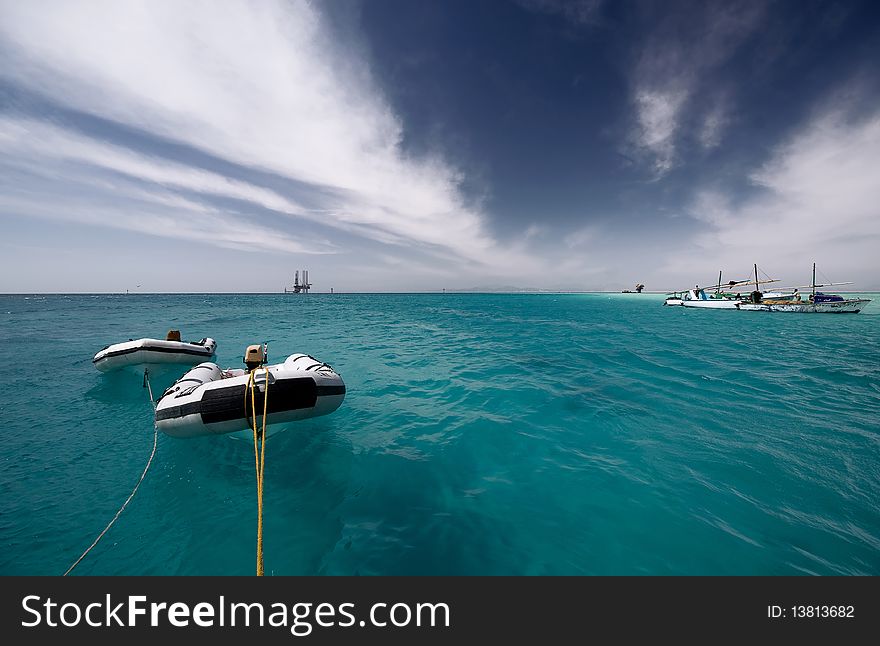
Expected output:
(209, 401)
(154, 352)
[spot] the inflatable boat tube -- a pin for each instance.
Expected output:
(153, 352)
(211, 401)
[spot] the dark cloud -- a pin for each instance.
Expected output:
(580, 142)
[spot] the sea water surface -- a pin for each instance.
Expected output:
(481, 434)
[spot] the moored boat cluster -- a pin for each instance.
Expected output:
(748, 295)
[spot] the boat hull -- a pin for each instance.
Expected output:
(211, 401)
(153, 352)
(711, 304)
(847, 306)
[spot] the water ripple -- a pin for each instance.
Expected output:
(481, 434)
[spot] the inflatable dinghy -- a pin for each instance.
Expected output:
(211, 401)
(154, 352)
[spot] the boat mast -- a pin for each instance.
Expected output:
(756, 278)
(813, 284)
(718, 289)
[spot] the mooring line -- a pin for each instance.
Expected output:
(133, 491)
(259, 455)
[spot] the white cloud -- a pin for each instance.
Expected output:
(582, 237)
(657, 112)
(712, 207)
(715, 122)
(818, 199)
(683, 48)
(261, 85)
(23, 139)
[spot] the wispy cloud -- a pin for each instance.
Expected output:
(712, 207)
(685, 45)
(26, 140)
(261, 126)
(582, 237)
(657, 112)
(817, 200)
(259, 85)
(72, 187)
(715, 121)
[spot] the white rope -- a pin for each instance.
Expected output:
(133, 491)
(149, 387)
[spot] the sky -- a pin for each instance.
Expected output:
(421, 145)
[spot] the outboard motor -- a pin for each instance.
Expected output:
(255, 356)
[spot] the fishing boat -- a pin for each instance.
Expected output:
(700, 299)
(731, 295)
(718, 296)
(674, 298)
(208, 400)
(816, 303)
(154, 353)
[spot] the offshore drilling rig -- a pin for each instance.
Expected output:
(299, 287)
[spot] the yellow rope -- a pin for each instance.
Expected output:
(259, 457)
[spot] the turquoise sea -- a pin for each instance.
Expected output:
(481, 434)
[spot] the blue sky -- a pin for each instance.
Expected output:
(394, 145)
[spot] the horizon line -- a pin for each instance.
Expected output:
(369, 293)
